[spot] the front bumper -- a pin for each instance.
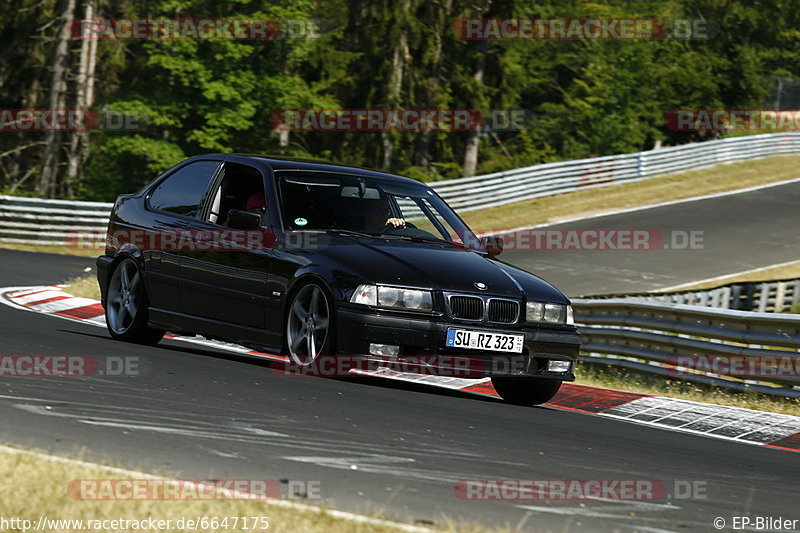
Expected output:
(422, 346)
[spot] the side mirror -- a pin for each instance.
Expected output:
(238, 219)
(493, 244)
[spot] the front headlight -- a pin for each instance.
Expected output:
(555, 313)
(365, 295)
(550, 313)
(534, 311)
(393, 297)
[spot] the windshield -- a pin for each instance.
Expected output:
(314, 201)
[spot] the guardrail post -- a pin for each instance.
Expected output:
(763, 298)
(780, 297)
(641, 165)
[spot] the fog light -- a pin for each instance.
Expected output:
(558, 366)
(383, 349)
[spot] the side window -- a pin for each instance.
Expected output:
(241, 188)
(182, 192)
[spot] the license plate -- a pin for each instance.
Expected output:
(484, 340)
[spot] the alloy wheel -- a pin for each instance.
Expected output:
(123, 296)
(307, 324)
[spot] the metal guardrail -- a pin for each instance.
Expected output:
(776, 296)
(501, 188)
(756, 351)
(49, 222)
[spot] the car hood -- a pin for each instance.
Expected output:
(414, 264)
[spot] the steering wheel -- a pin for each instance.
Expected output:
(391, 228)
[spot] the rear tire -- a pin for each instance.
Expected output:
(127, 304)
(525, 391)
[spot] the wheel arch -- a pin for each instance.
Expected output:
(301, 281)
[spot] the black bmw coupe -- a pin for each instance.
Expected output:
(315, 261)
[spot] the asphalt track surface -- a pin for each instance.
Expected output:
(739, 232)
(202, 413)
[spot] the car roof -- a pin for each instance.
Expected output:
(286, 163)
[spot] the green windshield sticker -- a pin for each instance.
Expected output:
(300, 221)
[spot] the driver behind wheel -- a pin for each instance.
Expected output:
(256, 203)
(378, 216)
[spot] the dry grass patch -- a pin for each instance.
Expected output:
(83, 287)
(56, 249)
(35, 486)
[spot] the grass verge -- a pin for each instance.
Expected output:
(716, 179)
(612, 377)
(36, 486)
(786, 271)
(83, 287)
(56, 249)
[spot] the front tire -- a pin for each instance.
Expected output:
(525, 391)
(309, 325)
(126, 306)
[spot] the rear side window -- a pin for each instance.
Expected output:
(182, 192)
